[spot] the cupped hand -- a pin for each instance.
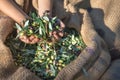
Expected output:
(28, 39)
(57, 34)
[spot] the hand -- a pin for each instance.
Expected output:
(29, 40)
(59, 33)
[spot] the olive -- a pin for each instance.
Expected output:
(21, 33)
(30, 31)
(48, 59)
(63, 65)
(43, 57)
(59, 68)
(47, 67)
(60, 61)
(50, 62)
(40, 61)
(52, 57)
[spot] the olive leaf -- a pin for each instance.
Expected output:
(40, 30)
(26, 23)
(18, 27)
(45, 18)
(50, 26)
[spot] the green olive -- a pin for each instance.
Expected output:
(30, 31)
(52, 57)
(63, 65)
(21, 33)
(59, 64)
(46, 53)
(50, 61)
(47, 67)
(60, 61)
(40, 61)
(35, 24)
(51, 74)
(44, 21)
(43, 57)
(59, 68)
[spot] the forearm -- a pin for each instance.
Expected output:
(13, 11)
(44, 5)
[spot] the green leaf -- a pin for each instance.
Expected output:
(45, 18)
(33, 15)
(36, 30)
(52, 69)
(50, 26)
(26, 23)
(54, 18)
(70, 47)
(40, 30)
(18, 27)
(44, 31)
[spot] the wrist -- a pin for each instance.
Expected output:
(22, 21)
(46, 12)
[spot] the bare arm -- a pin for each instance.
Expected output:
(44, 5)
(13, 11)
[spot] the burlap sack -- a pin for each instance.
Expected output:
(105, 16)
(103, 60)
(95, 52)
(113, 72)
(8, 70)
(93, 60)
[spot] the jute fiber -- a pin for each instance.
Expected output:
(98, 23)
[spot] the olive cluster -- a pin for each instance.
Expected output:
(41, 27)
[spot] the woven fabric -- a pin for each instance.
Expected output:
(95, 58)
(98, 23)
(113, 71)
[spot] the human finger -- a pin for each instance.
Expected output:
(34, 40)
(24, 39)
